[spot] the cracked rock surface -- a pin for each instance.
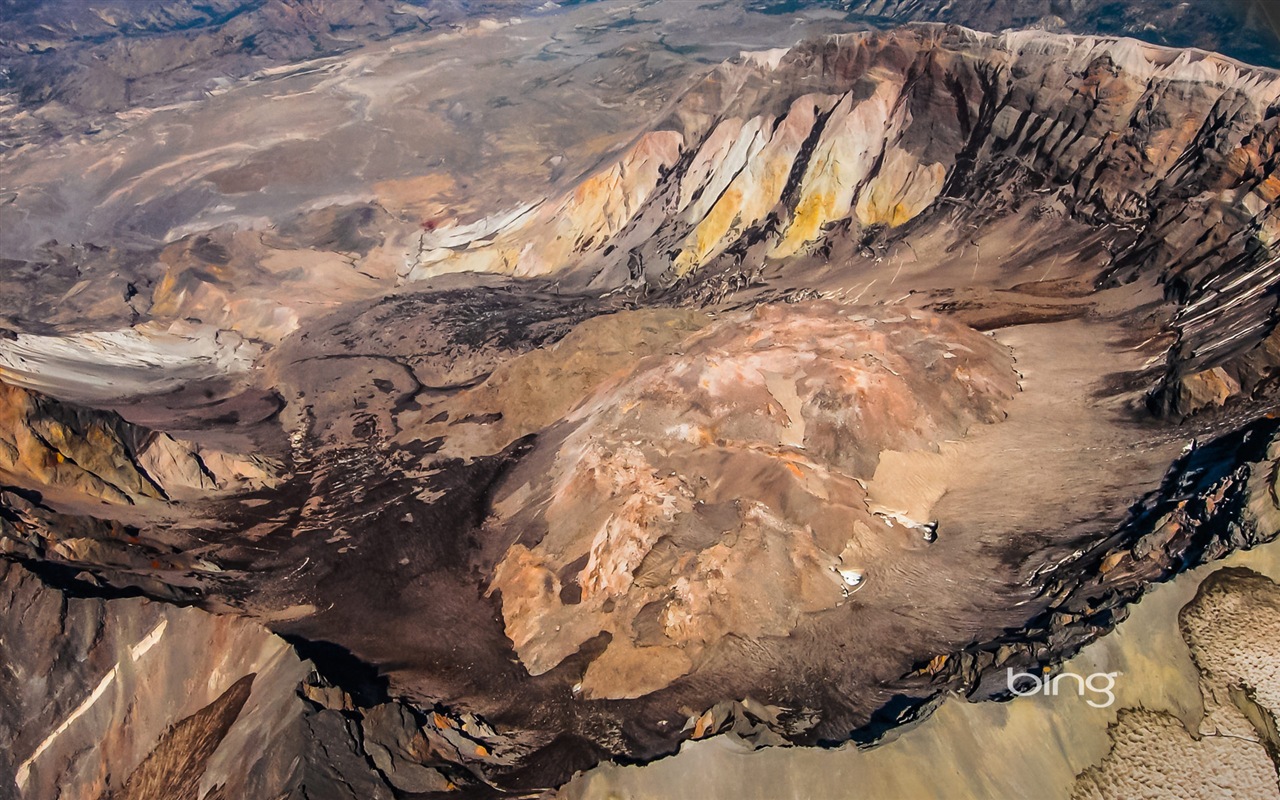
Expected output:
(1231, 629)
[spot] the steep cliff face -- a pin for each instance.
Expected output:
(138, 699)
(82, 678)
(870, 127)
(883, 141)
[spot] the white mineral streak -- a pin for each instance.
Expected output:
(104, 365)
(768, 59)
(149, 641)
(136, 652)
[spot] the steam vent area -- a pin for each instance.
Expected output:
(639, 400)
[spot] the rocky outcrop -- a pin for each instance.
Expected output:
(81, 453)
(47, 444)
(1229, 628)
(883, 122)
(133, 696)
(137, 699)
(534, 241)
(720, 494)
(1240, 378)
(852, 138)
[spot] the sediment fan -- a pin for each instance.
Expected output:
(881, 365)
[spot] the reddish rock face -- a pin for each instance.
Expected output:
(721, 492)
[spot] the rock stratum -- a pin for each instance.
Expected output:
(852, 375)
